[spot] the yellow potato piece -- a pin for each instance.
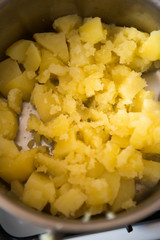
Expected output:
(5, 75)
(25, 52)
(15, 100)
(150, 49)
(92, 31)
(38, 191)
(8, 121)
(17, 168)
(24, 82)
(70, 201)
(67, 23)
(55, 42)
(126, 192)
(151, 173)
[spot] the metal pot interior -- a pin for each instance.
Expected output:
(20, 19)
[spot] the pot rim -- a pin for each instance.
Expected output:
(65, 225)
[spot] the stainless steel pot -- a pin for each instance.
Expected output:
(21, 18)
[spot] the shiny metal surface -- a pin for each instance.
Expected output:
(21, 18)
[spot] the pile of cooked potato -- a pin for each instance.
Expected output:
(85, 81)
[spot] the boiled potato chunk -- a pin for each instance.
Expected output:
(5, 75)
(54, 167)
(46, 102)
(38, 191)
(108, 156)
(33, 58)
(15, 100)
(129, 163)
(54, 128)
(125, 195)
(17, 50)
(92, 31)
(17, 188)
(150, 49)
(17, 168)
(97, 191)
(6, 144)
(8, 121)
(67, 23)
(130, 82)
(65, 146)
(70, 201)
(25, 52)
(113, 180)
(54, 42)
(24, 82)
(47, 58)
(151, 173)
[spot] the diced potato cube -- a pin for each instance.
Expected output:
(131, 85)
(24, 82)
(130, 82)
(92, 84)
(54, 42)
(58, 69)
(53, 166)
(97, 191)
(9, 69)
(151, 173)
(17, 168)
(38, 191)
(53, 128)
(108, 156)
(25, 52)
(17, 188)
(104, 54)
(139, 99)
(63, 147)
(8, 121)
(122, 142)
(70, 202)
(120, 123)
(33, 58)
(96, 170)
(17, 50)
(113, 180)
(126, 192)
(15, 100)
(92, 31)
(64, 189)
(140, 64)
(129, 163)
(46, 103)
(78, 56)
(47, 58)
(139, 138)
(58, 126)
(125, 56)
(6, 144)
(150, 49)
(90, 137)
(67, 23)
(69, 104)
